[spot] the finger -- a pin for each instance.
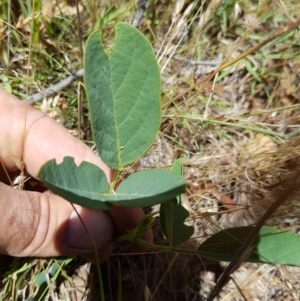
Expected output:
(128, 219)
(27, 134)
(35, 224)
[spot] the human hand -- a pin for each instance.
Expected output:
(43, 224)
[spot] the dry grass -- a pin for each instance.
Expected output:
(237, 130)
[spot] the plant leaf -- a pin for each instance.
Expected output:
(148, 188)
(85, 185)
(123, 92)
(172, 217)
(177, 166)
(272, 246)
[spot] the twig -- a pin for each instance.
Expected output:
(139, 13)
(56, 87)
(248, 245)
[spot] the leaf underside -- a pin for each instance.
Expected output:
(87, 185)
(77, 184)
(172, 217)
(123, 91)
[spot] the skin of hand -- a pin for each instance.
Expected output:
(42, 224)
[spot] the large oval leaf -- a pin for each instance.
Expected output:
(123, 91)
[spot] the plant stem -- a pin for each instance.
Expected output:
(102, 298)
(114, 181)
(158, 247)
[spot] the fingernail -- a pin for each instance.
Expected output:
(97, 223)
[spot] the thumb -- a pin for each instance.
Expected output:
(42, 224)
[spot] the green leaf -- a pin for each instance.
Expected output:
(172, 217)
(272, 246)
(173, 214)
(85, 185)
(123, 91)
(148, 188)
(177, 167)
(223, 245)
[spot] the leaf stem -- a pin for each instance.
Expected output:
(165, 248)
(114, 181)
(157, 247)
